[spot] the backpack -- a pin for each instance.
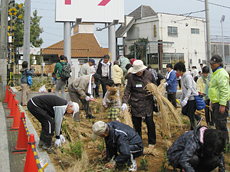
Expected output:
(65, 74)
(29, 80)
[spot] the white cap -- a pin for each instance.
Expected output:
(75, 108)
(98, 128)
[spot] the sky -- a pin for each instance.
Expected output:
(54, 32)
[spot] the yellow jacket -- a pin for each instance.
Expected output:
(117, 74)
(200, 85)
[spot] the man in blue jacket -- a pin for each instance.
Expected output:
(119, 138)
(171, 84)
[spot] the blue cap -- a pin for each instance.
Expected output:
(92, 61)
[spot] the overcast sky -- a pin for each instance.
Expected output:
(53, 32)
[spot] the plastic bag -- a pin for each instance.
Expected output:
(42, 89)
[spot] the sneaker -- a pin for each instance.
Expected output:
(47, 148)
(199, 121)
(133, 166)
(40, 144)
(90, 117)
(151, 146)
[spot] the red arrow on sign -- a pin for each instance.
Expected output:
(104, 2)
(67, 2)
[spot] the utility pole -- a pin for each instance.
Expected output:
(3, 55)
(208, 57)
(26, 39)
(222, 32)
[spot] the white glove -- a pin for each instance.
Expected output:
(57, 143)
(104, 104)
(107, 100)
(183, 103)
(87, 98)
(124, 106)
(165, 84)
(62, 138)
(91, 96)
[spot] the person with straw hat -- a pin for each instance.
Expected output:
(142, 104)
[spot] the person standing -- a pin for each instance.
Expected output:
(123, 61)
(24, 84)
(132, 59)
(119, 138)
(117, 74)
(104, 69)
(60, 83)
(86, 68)
(219, 94)
(171, 84)
(81, 90)
(142, 104)
(187, 99)
(49, 110)
(202, 87)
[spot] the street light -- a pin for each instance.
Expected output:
(221, 21)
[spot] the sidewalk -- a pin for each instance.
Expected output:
(15, 162)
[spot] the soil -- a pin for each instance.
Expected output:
(74, 131)
(152, 160)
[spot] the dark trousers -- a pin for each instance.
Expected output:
(179, 82)
(103, 82)
(135, 150)
(189, 110)
(47, 122)
(75, 97)
(220, 120)
(172, 98)
(137, 122)
(205, 164)
(208, 114)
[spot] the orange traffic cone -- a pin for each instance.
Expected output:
(30, 164)
(22, 141)
(7, 95)
(16, 122)
(11, 100)
(13, 109)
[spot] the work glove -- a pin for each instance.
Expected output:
(107, 100)
(57, 143)
(165, 84)
(104, 104)
(124, 106)
(91, 96)
(183, 103)
(62, 138)
(87, 98)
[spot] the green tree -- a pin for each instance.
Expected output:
(35, 29)
(140, 48)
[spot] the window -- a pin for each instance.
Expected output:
(195, 31)
(172, 31)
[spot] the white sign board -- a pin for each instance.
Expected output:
(95, 11)
(34, 51)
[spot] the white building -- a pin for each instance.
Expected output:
(170, 37)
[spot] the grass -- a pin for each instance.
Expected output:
(101, 146)
(144, 164)
(163, 165)
(75, 149)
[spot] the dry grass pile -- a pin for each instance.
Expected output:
(162, 101)
(126, 118)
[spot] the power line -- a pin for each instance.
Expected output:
(219, 5)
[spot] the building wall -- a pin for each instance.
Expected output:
(192, 46)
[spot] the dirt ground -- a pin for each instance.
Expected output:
(91, 160)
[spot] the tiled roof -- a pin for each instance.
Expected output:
(143, 11)
(82, 45)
